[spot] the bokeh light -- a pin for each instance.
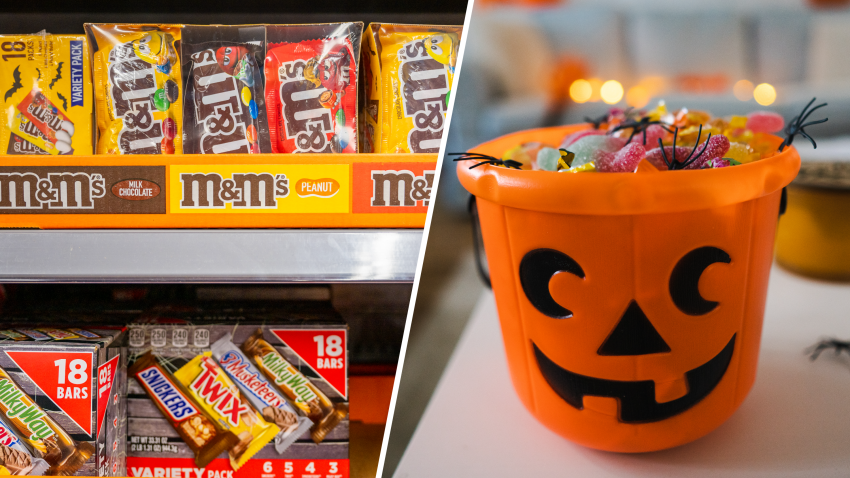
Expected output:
(595, 88)
(743, 90)
(580, 91)
(765, 94)
(611, 92)
(637, 96)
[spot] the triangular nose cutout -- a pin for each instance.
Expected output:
(633, 335)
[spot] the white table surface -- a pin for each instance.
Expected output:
(795, 422)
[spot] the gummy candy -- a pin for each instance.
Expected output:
(524, 153)
(547, 159)
(716, 163)
(591, 148)
(573, 137)
(623, 161)
(739, 152)
(654, 156)
(765, 122)
(716, 148)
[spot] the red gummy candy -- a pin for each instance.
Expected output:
(653, 134)
(625, 160)
(718, 146)
(573, 137)
(765, 122)
(716, 163)
(654, 156)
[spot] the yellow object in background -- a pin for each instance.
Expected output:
(137, 85)
(47, 96)
(813, 237)
(408, 78)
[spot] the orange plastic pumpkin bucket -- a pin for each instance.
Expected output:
(631, 305)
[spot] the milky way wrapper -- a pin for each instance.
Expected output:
(205, 436)
(39, 432)
(224, 108)
(295, 386)
(408, 72)
(262, 394)
(137, 88)
(311, 87)
(221, 399)
(47, 95)
(16, 458)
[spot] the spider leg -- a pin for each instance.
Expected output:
(664, 154)
(814, 122)
(807, 114)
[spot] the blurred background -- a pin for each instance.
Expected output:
(533, 64)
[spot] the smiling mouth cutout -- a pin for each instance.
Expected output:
(636, 399)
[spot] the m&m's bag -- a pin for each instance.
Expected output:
(408, 78)
(311, 87)
(225, 111)
(137, 86)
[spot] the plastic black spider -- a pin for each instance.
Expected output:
(597, 122)
(837, 345)
(796, 126)
(485, 159)
(639, 126)
(676, 164)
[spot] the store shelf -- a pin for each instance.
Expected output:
(793, 424)
(182, 255)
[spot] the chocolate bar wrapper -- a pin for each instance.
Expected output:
(14, 335)
(205, 436)
(15, 455)
(220, 398)
(137, 88)
(88, 334)
(47, 105)
(311, 87)
(58, 334)
(41, 434)
(224, 110)
(304, 394)
(34, 334)
(407, 85)
(261, 393)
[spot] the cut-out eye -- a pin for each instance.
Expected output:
(436, 49)
(536, 270)
(226, 61)
(228, 51)
(684, 281)
(437, 39)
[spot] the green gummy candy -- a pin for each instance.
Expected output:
(547, 159)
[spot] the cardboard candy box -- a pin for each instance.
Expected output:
(277, 383)
(62, 394)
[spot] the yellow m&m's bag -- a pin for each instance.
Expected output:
(137, 86)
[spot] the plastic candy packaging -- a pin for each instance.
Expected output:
(47, 102)
(206, 437)
(304, 394)
(17, 458)
(213, 390)
(224, 107)
(137, 86)
(263, 395)
(408, 71)
(311, 87)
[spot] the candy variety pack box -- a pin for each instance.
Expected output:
(408, 72)
(47, 97)
(62, 394)
(255, 394)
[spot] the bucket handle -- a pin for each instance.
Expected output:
(478, 243)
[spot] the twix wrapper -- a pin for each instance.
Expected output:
(15, 457)
(210, 386)
(299, 389)
(47, 98)
(205, 436)
(41, 434)
(408, 79)
(262, 394)
(137, 88)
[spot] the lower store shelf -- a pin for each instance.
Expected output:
(209, 255)
(792, 423)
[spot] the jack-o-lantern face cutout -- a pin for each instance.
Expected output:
(634, 335)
